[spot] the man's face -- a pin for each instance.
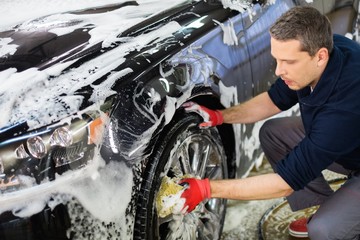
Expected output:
(295, 67)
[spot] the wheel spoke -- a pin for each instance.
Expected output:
(183, 158)
(214, 172)
(204, 161)
(208, 224)
(195, 158)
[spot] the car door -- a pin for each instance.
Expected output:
(259, 68)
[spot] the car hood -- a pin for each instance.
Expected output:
(45, 68)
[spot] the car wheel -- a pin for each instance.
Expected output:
(183, 149)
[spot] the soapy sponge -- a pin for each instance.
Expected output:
(168, 199)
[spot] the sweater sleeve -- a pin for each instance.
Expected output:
(334, 137)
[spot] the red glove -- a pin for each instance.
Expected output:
(195, 192)
(211, 117)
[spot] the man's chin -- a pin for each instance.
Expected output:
(295, 88)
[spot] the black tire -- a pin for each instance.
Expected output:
(183, 149)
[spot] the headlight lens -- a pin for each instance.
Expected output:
(61, 137)
(36, 147)
(21, 152)
(43, 153)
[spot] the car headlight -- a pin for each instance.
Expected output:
(42, 154)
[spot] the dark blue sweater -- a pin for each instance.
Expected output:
(330, 114)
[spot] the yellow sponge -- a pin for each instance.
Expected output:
(168, 199)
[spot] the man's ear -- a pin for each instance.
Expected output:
(322, 57)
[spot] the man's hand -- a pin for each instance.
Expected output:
(196, 190)
(211, 117)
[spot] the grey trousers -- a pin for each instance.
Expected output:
(339, 214)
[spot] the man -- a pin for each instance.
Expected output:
(321, 72)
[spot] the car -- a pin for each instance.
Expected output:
(92, 115)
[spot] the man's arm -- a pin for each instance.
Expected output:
(260, 187)
(255, 109)
(265, 186)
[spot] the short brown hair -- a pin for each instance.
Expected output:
(306, 24)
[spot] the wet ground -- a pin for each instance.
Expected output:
(266, 219)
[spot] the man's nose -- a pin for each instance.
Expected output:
(279, 70)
